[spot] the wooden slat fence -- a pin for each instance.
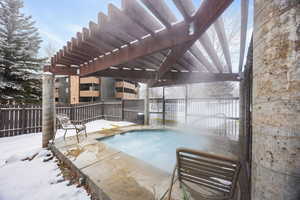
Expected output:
(220, 115)
(20, 119)
(24, 119)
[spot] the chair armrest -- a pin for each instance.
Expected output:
(76, 123)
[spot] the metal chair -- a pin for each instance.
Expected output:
(215, 177)
(67, 124)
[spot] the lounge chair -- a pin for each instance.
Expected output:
(66, 125)
(214, 177)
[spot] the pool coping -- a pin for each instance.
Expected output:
(86, 172)
(158, 176)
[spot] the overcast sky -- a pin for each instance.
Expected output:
(59, 20)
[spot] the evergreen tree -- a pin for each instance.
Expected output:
(19, 65)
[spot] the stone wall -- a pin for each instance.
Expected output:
(276, 100)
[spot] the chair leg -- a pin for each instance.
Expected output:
(65, 134)
(77, 136)
(172, 183)
(54, 137)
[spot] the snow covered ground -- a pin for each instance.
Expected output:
(36, 179)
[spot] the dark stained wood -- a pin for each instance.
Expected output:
(140, 16)
(109, 33)
(175, 53)
(101, 44)
(194, 62)
(220, 30)
(209, 10)
(83, 46)
(178, 34)
(186, 8)
(150, 75)
(75, 55)
(161, 11)
(24, 119)
(211, 51)
(95, 47)
(63, 54)
(73, 50)
(204, 78)
(61, 70)
(205, 62)
(124, 23)
(106, 26)
(110, 43)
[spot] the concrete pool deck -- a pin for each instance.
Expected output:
(110, 173)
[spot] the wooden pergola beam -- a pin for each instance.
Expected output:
(206, 79)
(61, 70)
(220, 30)
(174, 76)
(136, 12)
(161, 11)
(186, 8)
(169, 38)
(165, 39)
(209, 10)
(121, 20)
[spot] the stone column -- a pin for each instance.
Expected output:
(146, 106)
(276, 101)
(48, 108)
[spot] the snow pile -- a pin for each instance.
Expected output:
(94, 126)
(36, 179)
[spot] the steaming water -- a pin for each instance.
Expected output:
(156, 147)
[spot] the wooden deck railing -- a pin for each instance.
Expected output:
(24, 119)
(219, 115)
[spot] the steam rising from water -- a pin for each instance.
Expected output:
(158, 148)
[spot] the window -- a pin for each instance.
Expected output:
(89, 86)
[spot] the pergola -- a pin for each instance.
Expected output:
(144, 42)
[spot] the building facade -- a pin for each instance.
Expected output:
(75, 90)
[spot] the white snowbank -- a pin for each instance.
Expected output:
(95, 126)
(34, 180)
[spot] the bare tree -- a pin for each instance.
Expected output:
(50, 50)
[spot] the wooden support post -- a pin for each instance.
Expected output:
(164, 107)
(48, 108)
(146, 107)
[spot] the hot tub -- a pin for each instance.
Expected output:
(156, 147)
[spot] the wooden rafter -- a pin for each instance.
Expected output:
(186, 8)
(138, 44)
(211, 8)
(244, 25)
(220, 30)
(135, 11)
(62, 70)
(165, 39)
(161, 11)
(143, 75)
(211, 51)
